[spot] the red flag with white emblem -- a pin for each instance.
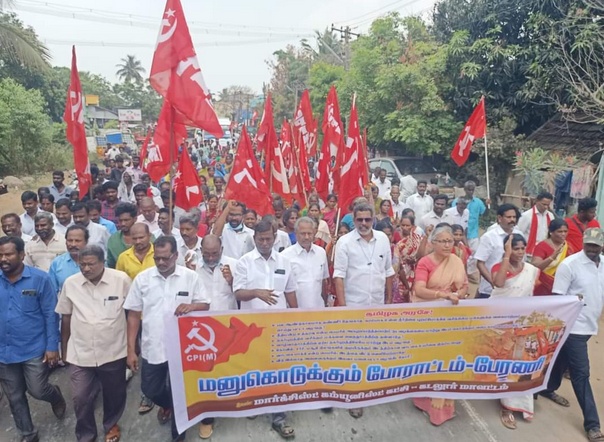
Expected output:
(304, 123)
(158, 152)
(246, 183)
(76, 131)
(351, 183)
(476, 128)
(175, 72)
(274, 166)
(187, 185)
(333, 137)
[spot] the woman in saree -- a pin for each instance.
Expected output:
(331, 212)
(440, 275)
(384, 213)
(405, 254)
(461, 248)
(322, 237)
(513, 278)
(125, 190)
(548, 255)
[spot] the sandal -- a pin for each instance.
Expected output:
(556, 398)
(146, 405)
(284, 430)
(595, 434)
(113, 435)
(356, 412)
(164, 415)
(508, 419)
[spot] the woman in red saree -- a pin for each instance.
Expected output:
(548, 255)
(440, 275)
(330, 212)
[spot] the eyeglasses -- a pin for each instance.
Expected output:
(446, 242)
(364, 220)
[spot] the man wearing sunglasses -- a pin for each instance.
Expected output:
(363, 267)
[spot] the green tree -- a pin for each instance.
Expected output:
(25, 130)
(19, 45)
(130, 70)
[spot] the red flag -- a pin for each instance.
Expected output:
(333, 134)
(225, 341)
(187, 185)
(351, 183)
(286, 146)
(144, 153)
(254, 118)
(312, 149)
(175, 72)
(303, 164)
(274, 166)
(476, 127)
(76, 131)
(247, 183)
(158, 153)
(323, 171)
(290, 163)
(304, 123)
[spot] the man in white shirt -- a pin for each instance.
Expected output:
(29, 200)
(263, 280)
(436, 215)
(375, 176)
(11, 226)
(420, 202)
(383, 184)
(534, 222)
(148, 214)
(156, 291)
(309, 263)
(98, 235)
(491, 248)
(459, 214)
(235, 235)
(63, 216)
(397, 205)
(582, 274)
(408, 184)
(165, 228)
(363, 267)
(112, 151)
(189, 244)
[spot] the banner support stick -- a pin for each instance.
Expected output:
(486, 161)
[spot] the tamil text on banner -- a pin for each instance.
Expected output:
(246, 363)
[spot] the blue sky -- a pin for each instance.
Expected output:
(233, 39)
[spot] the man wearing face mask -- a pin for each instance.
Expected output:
(582, 274)
(234, 234)
(46, 245)
(216, 273)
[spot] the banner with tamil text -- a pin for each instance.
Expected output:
(243, 363)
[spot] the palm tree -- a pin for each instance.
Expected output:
(19, 44)
(130, 69)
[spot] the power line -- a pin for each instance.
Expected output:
(381, 14)
(351, 21)
(154, 20)
(154, 26)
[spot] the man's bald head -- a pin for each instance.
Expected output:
(147, 206)
(147, 202)
(211, 250)
(141, 237)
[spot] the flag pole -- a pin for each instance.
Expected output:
(486, 161)
(171, 213)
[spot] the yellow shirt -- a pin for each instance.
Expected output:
(129, 263)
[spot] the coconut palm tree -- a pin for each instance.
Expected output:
(19, 44)
(130, 69)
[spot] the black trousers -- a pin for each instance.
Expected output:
(573, 355)
(155, 383)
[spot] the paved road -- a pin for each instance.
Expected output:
(476, 421)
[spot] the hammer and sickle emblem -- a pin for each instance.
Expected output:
(168, 35)
(208, 344)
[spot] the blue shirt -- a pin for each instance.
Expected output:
(29, 326)
(61, 268)
(109, 224)
(476, 208)
(348, 220)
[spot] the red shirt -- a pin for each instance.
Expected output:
(575, 232)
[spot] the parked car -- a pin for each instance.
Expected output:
(420, 169)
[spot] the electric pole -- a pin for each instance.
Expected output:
(345, 34)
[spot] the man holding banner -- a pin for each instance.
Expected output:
(165, 288)
(263, 280)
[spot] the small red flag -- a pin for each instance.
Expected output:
(274, 167)
(175, 72)
(303, 165)
(254, 118)
(158, 153)
(76, 131)
(246, 183)
(187, 185)
(144, 151)
(351, 183)
(476, 128)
